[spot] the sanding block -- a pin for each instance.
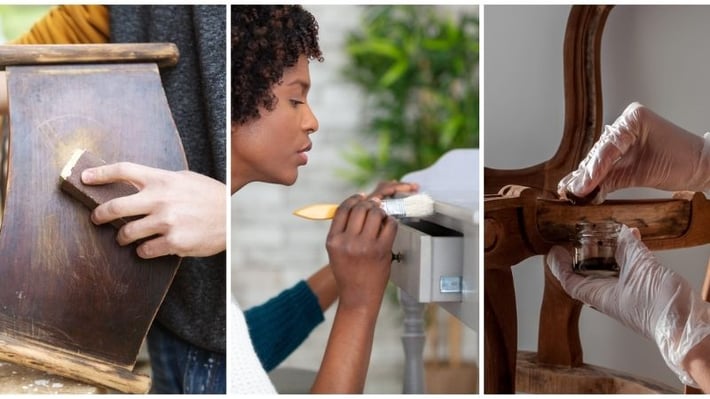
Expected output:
(92, 196)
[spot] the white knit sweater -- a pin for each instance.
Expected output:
(245, 373)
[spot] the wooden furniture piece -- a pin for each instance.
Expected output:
(523, 218)
(72, 301)
(435, 256)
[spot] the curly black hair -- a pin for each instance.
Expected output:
(267, 39)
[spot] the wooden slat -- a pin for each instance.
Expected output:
(72, 365)
(163, 54)
(656, 219)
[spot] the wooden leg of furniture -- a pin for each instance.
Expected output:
(500, 332)
(413, 338)
(558, 340)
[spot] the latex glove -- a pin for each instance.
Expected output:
(646, 297)
(186, 211)
(641, 149)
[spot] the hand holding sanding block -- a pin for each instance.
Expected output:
(92, 196)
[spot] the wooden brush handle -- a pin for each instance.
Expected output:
(317, 211)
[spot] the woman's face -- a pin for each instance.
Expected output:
(272, 147)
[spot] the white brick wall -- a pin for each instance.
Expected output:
(271, 249)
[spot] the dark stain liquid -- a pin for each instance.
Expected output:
(605, 267)
(575, 200)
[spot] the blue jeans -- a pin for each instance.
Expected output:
(179, 367)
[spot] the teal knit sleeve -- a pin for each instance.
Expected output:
(281, 324)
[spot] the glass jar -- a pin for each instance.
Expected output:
(595, 247)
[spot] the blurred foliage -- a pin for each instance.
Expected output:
(18, 19)
(418, 68)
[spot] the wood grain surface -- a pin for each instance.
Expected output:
(66, 283)
(162, 54)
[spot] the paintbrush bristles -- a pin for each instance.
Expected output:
(413, 206)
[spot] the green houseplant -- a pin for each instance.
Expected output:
(16, 20)
(418, 68)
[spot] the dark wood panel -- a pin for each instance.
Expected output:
(65, 282)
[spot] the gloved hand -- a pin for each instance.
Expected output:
(646, 297)
(641, 149)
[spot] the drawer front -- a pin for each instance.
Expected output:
(429, 262)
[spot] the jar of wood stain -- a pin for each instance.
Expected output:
(594, 248)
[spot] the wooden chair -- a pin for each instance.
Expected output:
(523, 218)
(72, 301)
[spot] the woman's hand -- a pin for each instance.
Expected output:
(387, 189)
(359, 246)
(183, 213)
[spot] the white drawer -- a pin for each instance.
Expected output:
(429, 261)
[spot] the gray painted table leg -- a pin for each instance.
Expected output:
(413, 342)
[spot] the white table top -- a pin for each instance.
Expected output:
(453, 184)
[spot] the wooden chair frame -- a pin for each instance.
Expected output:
(523, 219)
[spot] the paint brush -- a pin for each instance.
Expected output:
(417, 205)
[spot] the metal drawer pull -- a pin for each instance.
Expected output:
(450, 284)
